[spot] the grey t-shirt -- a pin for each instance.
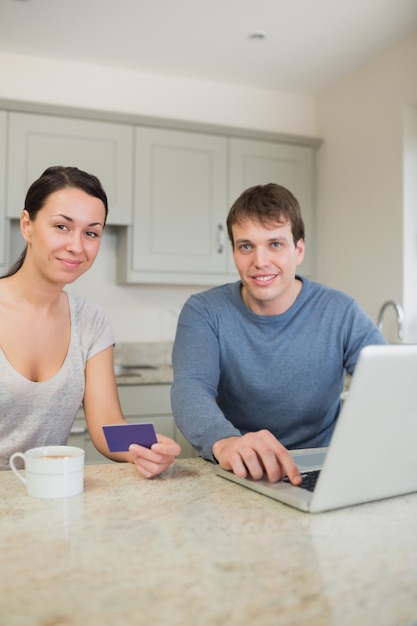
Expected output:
(42, 413)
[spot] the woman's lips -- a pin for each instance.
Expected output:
(71, 263)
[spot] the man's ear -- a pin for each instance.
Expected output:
(300, 247)
(25, 225)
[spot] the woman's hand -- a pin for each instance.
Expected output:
(154, 461)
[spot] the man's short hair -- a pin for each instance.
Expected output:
(267, 204)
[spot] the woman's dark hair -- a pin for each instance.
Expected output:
(54, 179)
(267, 204)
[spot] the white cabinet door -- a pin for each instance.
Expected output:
(101, 148)
(3, 223)
(180, 207)
(260, 162)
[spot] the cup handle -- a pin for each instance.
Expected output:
(17, 455)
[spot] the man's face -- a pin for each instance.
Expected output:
(266, 259)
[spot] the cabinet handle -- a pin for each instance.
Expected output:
(220, 238)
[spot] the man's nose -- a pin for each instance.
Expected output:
(261, 257)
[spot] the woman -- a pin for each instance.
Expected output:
(56, 350)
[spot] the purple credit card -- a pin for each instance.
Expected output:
(120, 436)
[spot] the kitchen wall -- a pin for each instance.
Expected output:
(368, 183)
(366, 209)
(112, 89)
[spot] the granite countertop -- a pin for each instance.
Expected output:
(189, 547)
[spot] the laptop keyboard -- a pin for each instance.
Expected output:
(309, 480)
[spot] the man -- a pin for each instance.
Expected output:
(259, 365)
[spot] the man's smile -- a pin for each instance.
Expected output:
(264, 277)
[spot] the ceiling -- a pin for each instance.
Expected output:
(308, 44)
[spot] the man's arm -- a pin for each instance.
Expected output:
(196, 363)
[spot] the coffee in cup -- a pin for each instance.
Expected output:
(51, 471)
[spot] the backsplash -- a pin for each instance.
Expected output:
(152, 354)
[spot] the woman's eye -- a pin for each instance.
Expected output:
(91, 234)
(62, 227)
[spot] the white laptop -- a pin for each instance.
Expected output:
(373, 451)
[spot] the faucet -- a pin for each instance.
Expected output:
(399, 313)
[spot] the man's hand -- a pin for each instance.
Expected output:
(256, 454)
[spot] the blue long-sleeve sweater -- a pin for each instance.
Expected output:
(236, 371)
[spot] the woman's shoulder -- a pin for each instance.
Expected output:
(90, 323)
(84, 308)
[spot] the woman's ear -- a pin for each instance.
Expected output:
(25, 225)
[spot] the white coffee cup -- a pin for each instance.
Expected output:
(51, 471)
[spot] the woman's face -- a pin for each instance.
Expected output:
(64, 238)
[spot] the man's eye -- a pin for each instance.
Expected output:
(245, 246)
(276, 244)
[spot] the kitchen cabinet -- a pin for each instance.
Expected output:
(3, 222)
(185, 184)
(178, 234)
(101, 148)
(140, 403)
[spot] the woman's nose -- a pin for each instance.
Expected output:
(74, 243)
